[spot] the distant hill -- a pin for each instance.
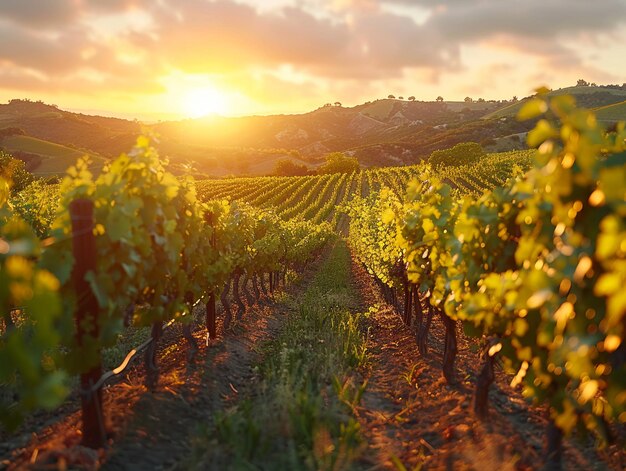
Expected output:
(378, 133)
(105, 136)
(586, 97)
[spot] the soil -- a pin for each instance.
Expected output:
(154, 430)
(410, 417)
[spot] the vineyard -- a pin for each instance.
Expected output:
(321, 198)
(506, 274)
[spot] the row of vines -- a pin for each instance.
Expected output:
(157, 250)
(536, 268)
(320, 198)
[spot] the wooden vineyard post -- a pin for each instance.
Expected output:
(9, 323)
(241, 307)
(262, 284)
(244, 288)
(553, 450)
(86, 318)
(408, 304)
(228, 315)
(417, 307)
(210, 317)
(210, 305)
(150, 357)
(422, 333)
(486, 376)
(188, 330)
(255, 288)
(450, 347)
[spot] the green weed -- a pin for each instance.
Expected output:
(302, 413)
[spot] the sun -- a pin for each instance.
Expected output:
(204, 101)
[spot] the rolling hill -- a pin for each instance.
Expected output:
(611, 113)
(586, 97)
(378, 133)
(49, 158)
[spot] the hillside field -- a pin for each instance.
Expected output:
(55, 158)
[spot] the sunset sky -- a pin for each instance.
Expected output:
(169, 59)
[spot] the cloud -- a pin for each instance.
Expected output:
(478, 19)
(202, 37)
(35, 13)
(395, 42)
(53, 14)
(112, 6)
(360, 41)
(86, 82)
(44, 52)
(88, 45)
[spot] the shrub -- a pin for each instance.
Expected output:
(288, 168)
(461, 154)
(14, 171)
(338, 162)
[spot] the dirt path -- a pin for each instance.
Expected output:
(410, 417)
(152, 429)
(158, 434)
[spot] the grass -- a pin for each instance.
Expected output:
(508, 111)
(511, 110)
(380, 109)
(301, 415)
(458, 106)
(56, 158)
(614, 112)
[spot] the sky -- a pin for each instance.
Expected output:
(172, 59)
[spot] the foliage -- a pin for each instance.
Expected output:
(14, 171)
(539, 262)
(322, 197)
(302, 414)
(338, 162)
(374, 240)
(461, 154)
(37, 204)
(11, 131)
(153, 237)
(288, 168)
(572, 267)
(30, 306)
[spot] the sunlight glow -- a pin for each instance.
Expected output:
(204, 101)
